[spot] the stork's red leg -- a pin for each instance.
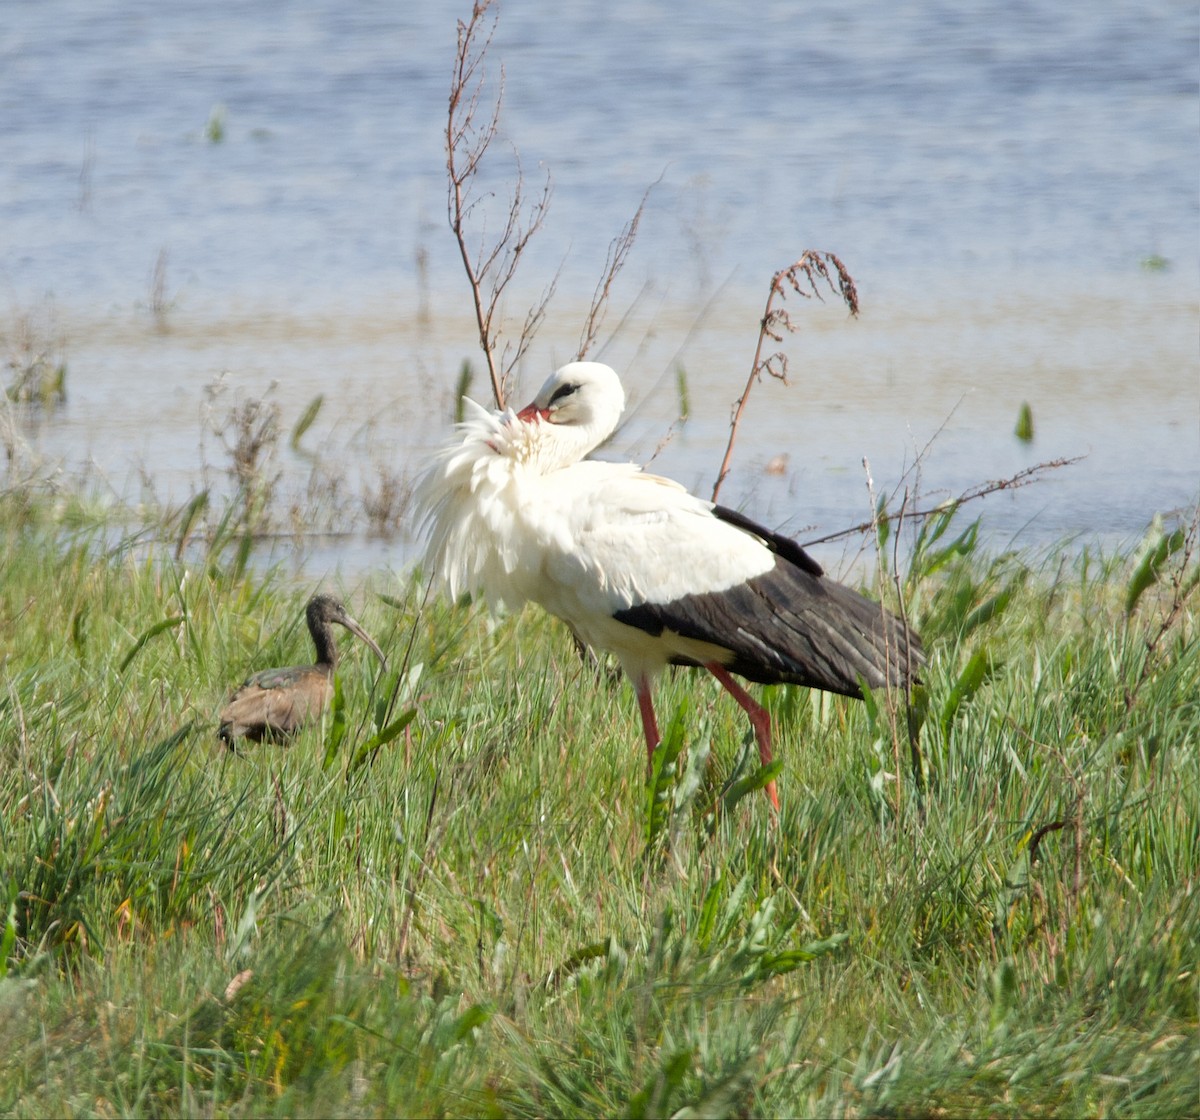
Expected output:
(760, 720)
(649, 723)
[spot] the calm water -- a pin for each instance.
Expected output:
(1014, 186)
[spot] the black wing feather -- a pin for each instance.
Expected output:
(791, 625)
(776, 542)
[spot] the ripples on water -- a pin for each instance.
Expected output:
(994, 175)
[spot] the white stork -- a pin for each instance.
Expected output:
(636, 565)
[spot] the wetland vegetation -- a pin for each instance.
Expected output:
(458, 896)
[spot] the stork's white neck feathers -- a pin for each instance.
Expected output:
(575, 411)
(470, 500)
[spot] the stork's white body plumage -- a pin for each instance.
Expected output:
(636, 565)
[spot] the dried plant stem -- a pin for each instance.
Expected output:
(491, 264)
(893, 706)
(465, 148)
(887, 653)
(618, 251)
(981, 490)
(492, 267)
(910, 724)
(805, 277)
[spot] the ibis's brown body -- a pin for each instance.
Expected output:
(275, 703)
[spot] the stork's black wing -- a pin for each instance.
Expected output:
(791, 624)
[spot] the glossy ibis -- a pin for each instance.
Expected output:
(636, 565)
(275, 703)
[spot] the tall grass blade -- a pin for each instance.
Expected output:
(777, 964)
(752, 783)
(708, 913)
(681, 389)
(306, 421)
(926, 559)
(660, 784)
(596, 951)
(1024, 428)
(978, 668)
(657, 1095)
(247, 927)
(1156, 548)
(79, 630)
(462, 388)
(883, 527)
(371, 747)
(992, 608)
(8, 938)
(241, 559)
(337, 724)
(1005, 995)
(187, 520)
(147, 635)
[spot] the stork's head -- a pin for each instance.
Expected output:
(575, 411)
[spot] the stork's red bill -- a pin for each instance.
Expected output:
(514, 511)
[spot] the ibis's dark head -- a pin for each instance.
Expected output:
(322, 611)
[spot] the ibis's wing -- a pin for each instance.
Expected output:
(275, 703)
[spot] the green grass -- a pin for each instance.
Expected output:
(485, 912)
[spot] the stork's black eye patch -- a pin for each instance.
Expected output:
(562, 391)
